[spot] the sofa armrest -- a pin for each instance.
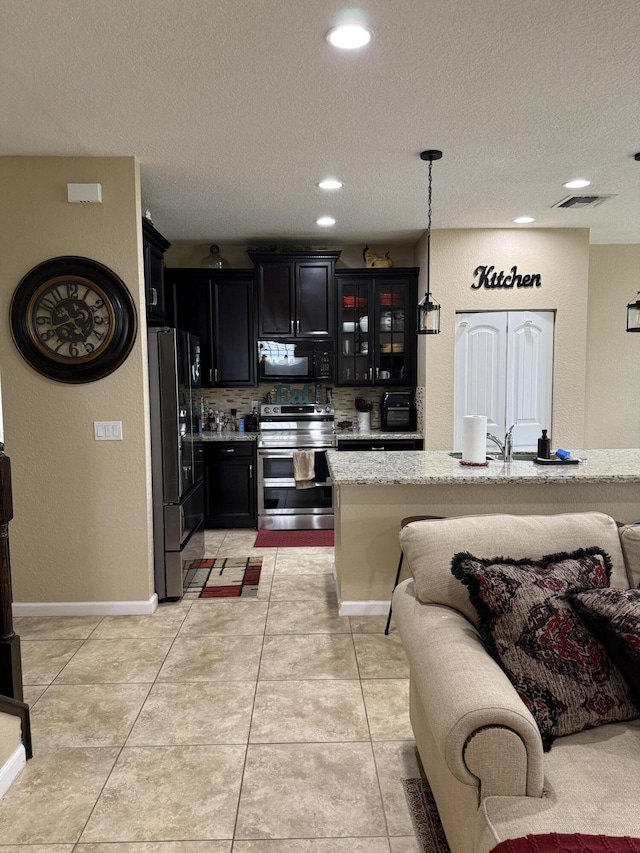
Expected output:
(475, 715)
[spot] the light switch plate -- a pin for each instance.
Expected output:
(107, 430)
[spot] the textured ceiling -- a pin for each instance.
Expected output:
(236, 108)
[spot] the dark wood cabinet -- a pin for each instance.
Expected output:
(381, 444)
(219, 307)
(230, 484)
(376, 335)
(154, 246)
(296, 294)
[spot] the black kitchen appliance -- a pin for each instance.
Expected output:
(397, 412)
(176, 457)
(295, 361)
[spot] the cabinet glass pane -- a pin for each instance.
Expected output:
(354, 361)
(391, 337)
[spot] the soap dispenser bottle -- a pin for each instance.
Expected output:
(544, 446)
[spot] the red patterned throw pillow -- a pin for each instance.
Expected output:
(614, 615)
(560, 669)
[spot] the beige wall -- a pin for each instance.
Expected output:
(561, 256)
(613, 355)
(82, 526)
(402, 255)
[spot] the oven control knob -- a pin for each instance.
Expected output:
(328, 409)
(267, 410)
(318, 410)
(276, 410)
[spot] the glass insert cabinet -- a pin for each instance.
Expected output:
(376, 335)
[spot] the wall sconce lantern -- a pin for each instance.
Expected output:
(428, 308)
(633, 315)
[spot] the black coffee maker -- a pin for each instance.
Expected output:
(397, 412)
(251, 422)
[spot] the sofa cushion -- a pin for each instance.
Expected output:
(558, 666)
(630, 540)
(429, 546)
(614, 616)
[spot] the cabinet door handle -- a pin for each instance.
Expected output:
(210, 375)
(227, 450)
(215, 375)
(251, 472)
(371, 373)
(297, 327)
(377, 372)
(154, 296)
(379, 447)
(292, 322)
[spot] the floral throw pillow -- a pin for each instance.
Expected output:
(560, 669)
(614, 615)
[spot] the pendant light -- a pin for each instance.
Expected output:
(428, 308)
(633, 308)
(633, 315)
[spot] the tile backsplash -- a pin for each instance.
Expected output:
(242, 399)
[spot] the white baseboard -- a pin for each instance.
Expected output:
(11, 769)
(85, 608)
(363, 608)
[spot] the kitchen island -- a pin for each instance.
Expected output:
(373, 492)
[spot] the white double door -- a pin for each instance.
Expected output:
(504, 370)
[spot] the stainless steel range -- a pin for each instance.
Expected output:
(284, 429)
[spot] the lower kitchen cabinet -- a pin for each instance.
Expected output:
(230, 484)
(381, 444)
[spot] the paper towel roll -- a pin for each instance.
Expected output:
(474, 438)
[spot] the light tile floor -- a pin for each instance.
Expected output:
(267, 725)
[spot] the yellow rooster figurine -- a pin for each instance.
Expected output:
(372, 260)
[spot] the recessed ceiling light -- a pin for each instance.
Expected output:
(325, 221)
(349, 37)
(524, 220)
(330, 184)
(578, 184)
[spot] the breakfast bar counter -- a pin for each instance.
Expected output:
(373, 492)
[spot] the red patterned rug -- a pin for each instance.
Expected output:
(224, 577)
(294, 539)
(569, 843)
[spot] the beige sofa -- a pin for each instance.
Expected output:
(480, 747)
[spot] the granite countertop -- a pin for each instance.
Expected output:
(347, 435)
(436, 467)
(228, 435)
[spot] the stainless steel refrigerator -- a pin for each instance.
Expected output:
(176, 457)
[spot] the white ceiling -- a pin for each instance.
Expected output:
(236, 108)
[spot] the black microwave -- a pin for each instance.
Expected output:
(295, 361)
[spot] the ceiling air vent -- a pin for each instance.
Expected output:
(579, 202)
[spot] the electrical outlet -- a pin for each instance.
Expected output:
(107, 430)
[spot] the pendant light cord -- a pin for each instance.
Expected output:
(429, 232)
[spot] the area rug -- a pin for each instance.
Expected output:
(569, 843)
(294, 539)
(224, 577)
(424, 816)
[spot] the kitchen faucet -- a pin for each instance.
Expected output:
(506, 449)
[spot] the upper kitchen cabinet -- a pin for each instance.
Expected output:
(218, 305)
(154, 246)
(295, 293)
(376, 340)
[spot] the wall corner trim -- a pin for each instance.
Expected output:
(86, 608)
(11, 769)
(363, 608)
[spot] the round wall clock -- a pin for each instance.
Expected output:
(73, 319)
